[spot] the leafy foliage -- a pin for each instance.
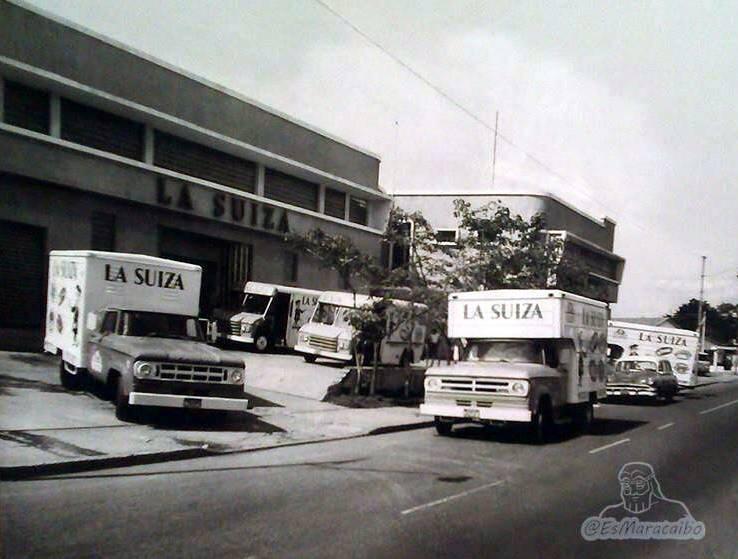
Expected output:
(721, 322)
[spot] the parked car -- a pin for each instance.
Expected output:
(642, 376)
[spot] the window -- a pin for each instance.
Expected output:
(291, 263)
(26, 107)
(335, 203)
(108, 324)
(446, 236)
(203, 162)
(291, 190)
(101, 130)
(103, 231)
(358, 211)
(665, 367)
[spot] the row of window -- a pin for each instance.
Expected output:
(30, 108)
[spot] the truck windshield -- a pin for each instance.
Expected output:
(160, 325)
(326, 313)
(634, 366)
(255, 304)
(509, 351)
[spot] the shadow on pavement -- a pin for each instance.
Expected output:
(564, 432)
(171, 419)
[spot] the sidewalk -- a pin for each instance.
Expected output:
(45, 428)
(714, 378)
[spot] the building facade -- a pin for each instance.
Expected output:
(105, 148)
(588, 240)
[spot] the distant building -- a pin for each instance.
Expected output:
(589, 240)
(105, 148)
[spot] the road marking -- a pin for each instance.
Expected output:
(616, 443)
(451, 497)
(666, 426)
(703, 412)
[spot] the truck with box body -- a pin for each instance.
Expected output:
(629, 339)
(528, 356)
(271, 315)
(329, 333)
(130, 321)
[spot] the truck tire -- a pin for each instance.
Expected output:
(68, 380)
(261, 343)
(443, 428)
(542, 425)
(123, 410)
(309, 358)
(584, 416)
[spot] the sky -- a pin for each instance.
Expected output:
(623, 109)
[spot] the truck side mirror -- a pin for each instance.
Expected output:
(92, 321)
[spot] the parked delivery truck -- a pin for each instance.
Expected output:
(130, 322)
(527, 356)
(329, 332)
(679, 347)
(271, 315)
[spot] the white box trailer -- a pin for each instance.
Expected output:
(130, 322)
(271, 315)
(529, 355)
(678, 346)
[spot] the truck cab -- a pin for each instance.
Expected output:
(161, 359)
(527, 356)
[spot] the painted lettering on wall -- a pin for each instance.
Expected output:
(504, 311)
(224, 206)
(144, 276)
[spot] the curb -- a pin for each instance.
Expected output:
(20, 473)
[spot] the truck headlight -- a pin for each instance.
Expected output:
(304, 338)
(519, 388)
(432, 383)
(246, 328)
(143, 369)
(237, 376)
(344, 344)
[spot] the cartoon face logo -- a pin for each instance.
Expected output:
(643, 511)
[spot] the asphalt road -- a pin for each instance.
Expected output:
(479, 493)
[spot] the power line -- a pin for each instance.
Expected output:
(439, 91)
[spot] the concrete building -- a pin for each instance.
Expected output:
(587, 239)
(105, 148)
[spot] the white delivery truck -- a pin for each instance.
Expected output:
(528, 356)
(271, 315)
(130, 322)
(679, 347)
(329, 332)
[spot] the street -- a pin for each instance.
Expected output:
(481, 492)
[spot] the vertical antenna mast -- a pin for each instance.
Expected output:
(494, 148)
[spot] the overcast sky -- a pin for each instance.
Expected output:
(625, 109)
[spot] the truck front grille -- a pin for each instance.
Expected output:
(185, 372)
(235, 328)
(323, 342)
(475, 385)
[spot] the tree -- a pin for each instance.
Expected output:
(497, 249)
(721, 323)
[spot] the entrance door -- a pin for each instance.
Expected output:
(22, 289)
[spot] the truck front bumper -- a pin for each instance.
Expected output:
(494, 413)
(240, 339)
(337, 355)
(181, 401)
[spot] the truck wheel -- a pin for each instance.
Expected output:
(542, 425)
(584, 416)
(443, 428)
(309, 358)
(261, 343)
(68, 380)
(123, 410)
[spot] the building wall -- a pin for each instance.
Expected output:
(44, 43)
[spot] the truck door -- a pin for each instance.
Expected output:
(280, 311)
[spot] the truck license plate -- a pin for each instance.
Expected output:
(471, 413)
(192, 403)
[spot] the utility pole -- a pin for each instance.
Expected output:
(494, 148)
(700, 321)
